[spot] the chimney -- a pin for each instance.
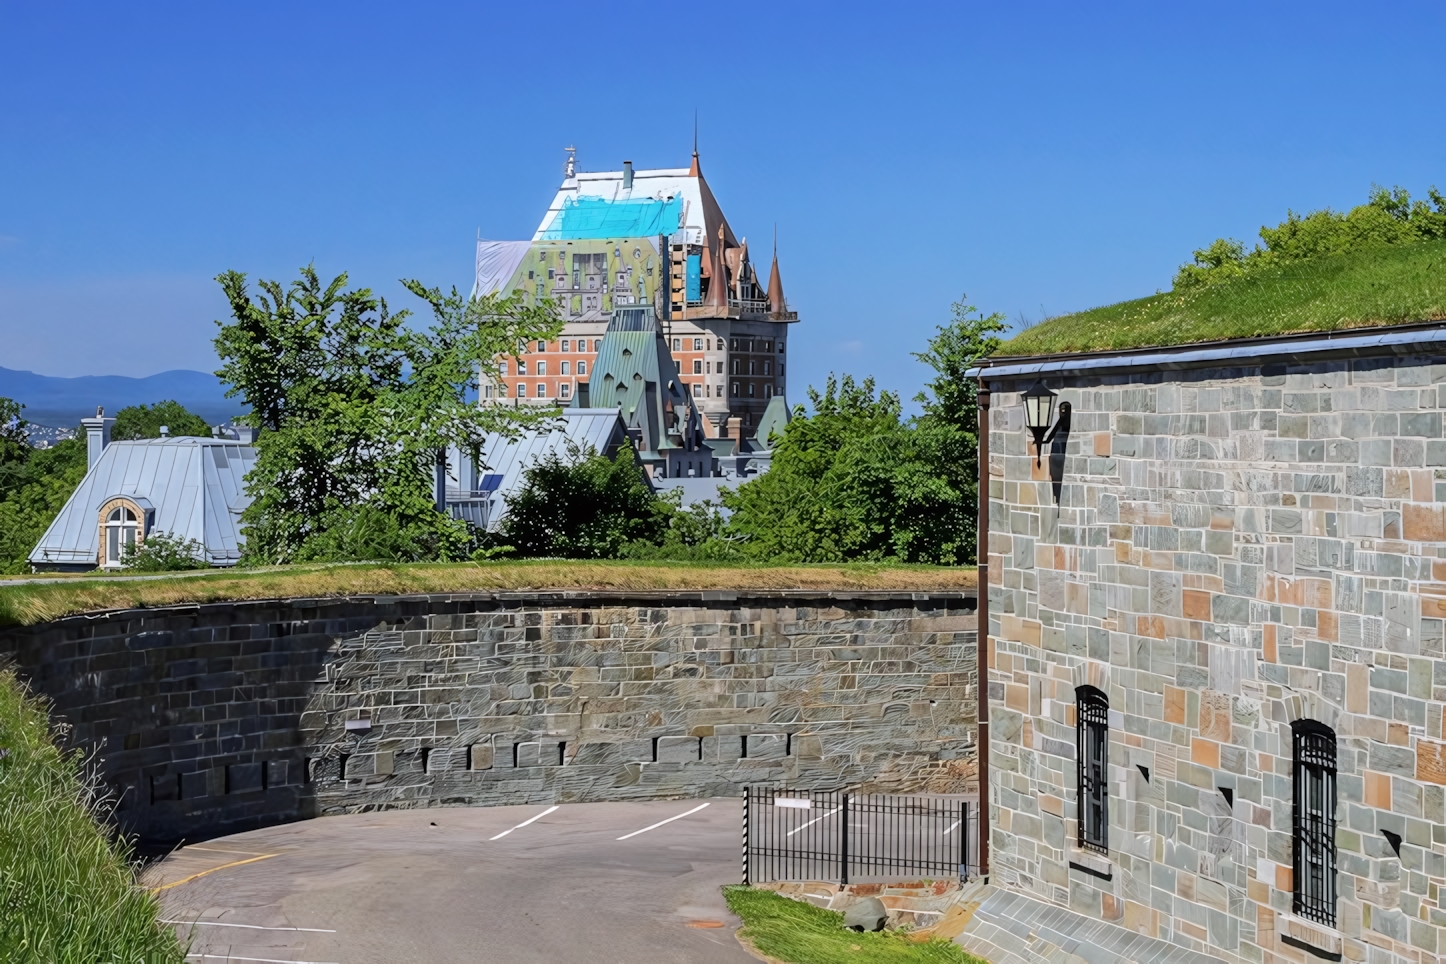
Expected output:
(245, 434)
(627, 175)
(165, 431)
(97, 436)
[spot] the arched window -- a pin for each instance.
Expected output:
(1313, 771)
(121, 526)
(1092, 738)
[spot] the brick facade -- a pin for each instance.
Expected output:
(1232, 550)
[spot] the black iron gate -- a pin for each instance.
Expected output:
(848, 837)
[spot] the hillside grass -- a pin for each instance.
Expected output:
(32, 601)
(793, 932)
(1387, 285)
(68, 891)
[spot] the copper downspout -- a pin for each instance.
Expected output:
(981, 553)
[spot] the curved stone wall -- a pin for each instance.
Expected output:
(217, 718)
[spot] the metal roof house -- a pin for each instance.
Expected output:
(191, 488)
(480, 494)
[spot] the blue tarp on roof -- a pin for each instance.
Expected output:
(587, 218)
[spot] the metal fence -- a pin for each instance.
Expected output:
(850, 838)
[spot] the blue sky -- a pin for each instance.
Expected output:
(1041, 157)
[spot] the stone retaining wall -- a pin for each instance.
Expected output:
(213, 719)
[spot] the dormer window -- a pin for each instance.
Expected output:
(122, 528)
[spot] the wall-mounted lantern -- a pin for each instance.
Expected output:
(1038, 415)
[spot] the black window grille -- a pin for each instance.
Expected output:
(1092, 735)
(1314, 821)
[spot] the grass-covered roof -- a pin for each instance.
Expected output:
(1372, 287)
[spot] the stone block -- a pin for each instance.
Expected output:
(165, 787)
(194, 785)
(679, 749)
(243, 777)
(278, 773)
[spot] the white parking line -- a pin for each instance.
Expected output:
(254, 927)
(523, 823)
(661, 822)
(263, 960)
(951, 829)
(812, 822)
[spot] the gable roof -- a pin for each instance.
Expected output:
(195, 485)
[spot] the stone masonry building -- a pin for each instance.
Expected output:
(1216, 612)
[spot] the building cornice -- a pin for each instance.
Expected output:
(1310, 346)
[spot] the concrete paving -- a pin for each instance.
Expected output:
(467, 885)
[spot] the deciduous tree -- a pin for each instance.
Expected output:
(353, 405)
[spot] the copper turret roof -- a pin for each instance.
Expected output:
(718, 283)
(776, 302)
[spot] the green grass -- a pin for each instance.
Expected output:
(1378, 286)
(798, 933)
(32, 601)
(68, 892)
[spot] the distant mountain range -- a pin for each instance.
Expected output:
(62, 402)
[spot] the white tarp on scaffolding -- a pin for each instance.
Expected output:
(497, 261)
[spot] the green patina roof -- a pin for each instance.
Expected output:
(1375, 287)
(771, 426)
(635, 373)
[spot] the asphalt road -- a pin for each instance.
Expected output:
(467, 885)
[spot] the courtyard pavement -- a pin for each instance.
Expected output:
(605, 883)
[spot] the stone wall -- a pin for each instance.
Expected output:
(216, 718)
(1232, 550)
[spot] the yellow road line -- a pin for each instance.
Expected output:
(234, 863)
(214, 850)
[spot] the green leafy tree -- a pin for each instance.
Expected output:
(584, 506)
(32, 496)
(354, 406)
(1388, 217)
(145, 421)
(14, 439)
(853, 481)
(950, 402)
(166, 552)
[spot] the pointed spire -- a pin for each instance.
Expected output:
(718, 284)
(695, 170)
(776, 304)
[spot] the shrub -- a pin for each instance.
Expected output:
(166, 552)
(585, 506)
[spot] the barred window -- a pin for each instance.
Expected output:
(1092, 736)
(1313, 771)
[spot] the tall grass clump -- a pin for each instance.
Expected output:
(68, 889)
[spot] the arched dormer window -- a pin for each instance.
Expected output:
(122, 528)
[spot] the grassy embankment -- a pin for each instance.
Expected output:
(792, 932)
(33, 601)
(68, 891)
(1378, 286)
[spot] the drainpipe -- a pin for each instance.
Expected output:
(981, 553)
